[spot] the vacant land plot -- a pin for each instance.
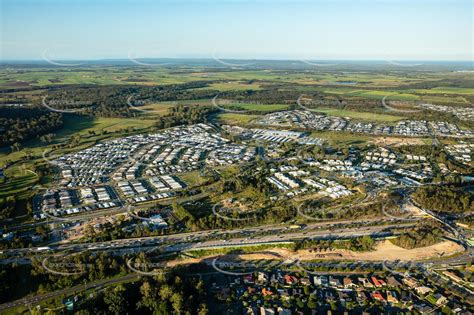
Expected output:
(384, 251)
(20, 185)
(343, 137)
(400, 141)
(445, 90)
(233, 118)
(83, 125)
(359, 115)
(259, 107)
(159, 109)
(448, 100)
(192, 179)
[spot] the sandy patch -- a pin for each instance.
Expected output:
(397, 141)
(384, 250)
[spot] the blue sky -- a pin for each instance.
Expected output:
(326, 29)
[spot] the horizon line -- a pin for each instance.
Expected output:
(246, 59)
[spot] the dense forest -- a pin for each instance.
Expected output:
(445, 198)
(165, 294)
(113, 101)
(20, 124)
(19, 280)
(187, 115)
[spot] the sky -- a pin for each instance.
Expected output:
(241, 29)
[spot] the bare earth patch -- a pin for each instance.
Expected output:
(384, 250)
(398, 141)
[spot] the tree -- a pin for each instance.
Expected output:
(203, 310)
(115, 300)
(312, 304)
(177, 302)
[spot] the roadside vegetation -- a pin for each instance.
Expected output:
(425, 234)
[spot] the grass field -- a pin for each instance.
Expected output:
(235, 79)
(231, 118)
(359, 115)
(342, 137)
(85, 124)
(371, 94)
(445, 90)
(229, 86)
(451, 99)
(259, 107)
(110, 76)
(159, 109)
(192, 179)
(20, 186)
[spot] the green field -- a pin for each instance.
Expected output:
(111, 76)
(371, 94)
(359, 115)
(192, 179)
(445, 90)
(83, 124)
(20, 186)
(451, 99)
(229, 86)
(232, 118)
(159, 109)
(342, 137)
(259, 107)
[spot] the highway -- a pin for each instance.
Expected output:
(274, 234)
(241, 236)
(219, 238)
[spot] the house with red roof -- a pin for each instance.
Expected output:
(376, 282)
(378, 296)
(289, 279)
